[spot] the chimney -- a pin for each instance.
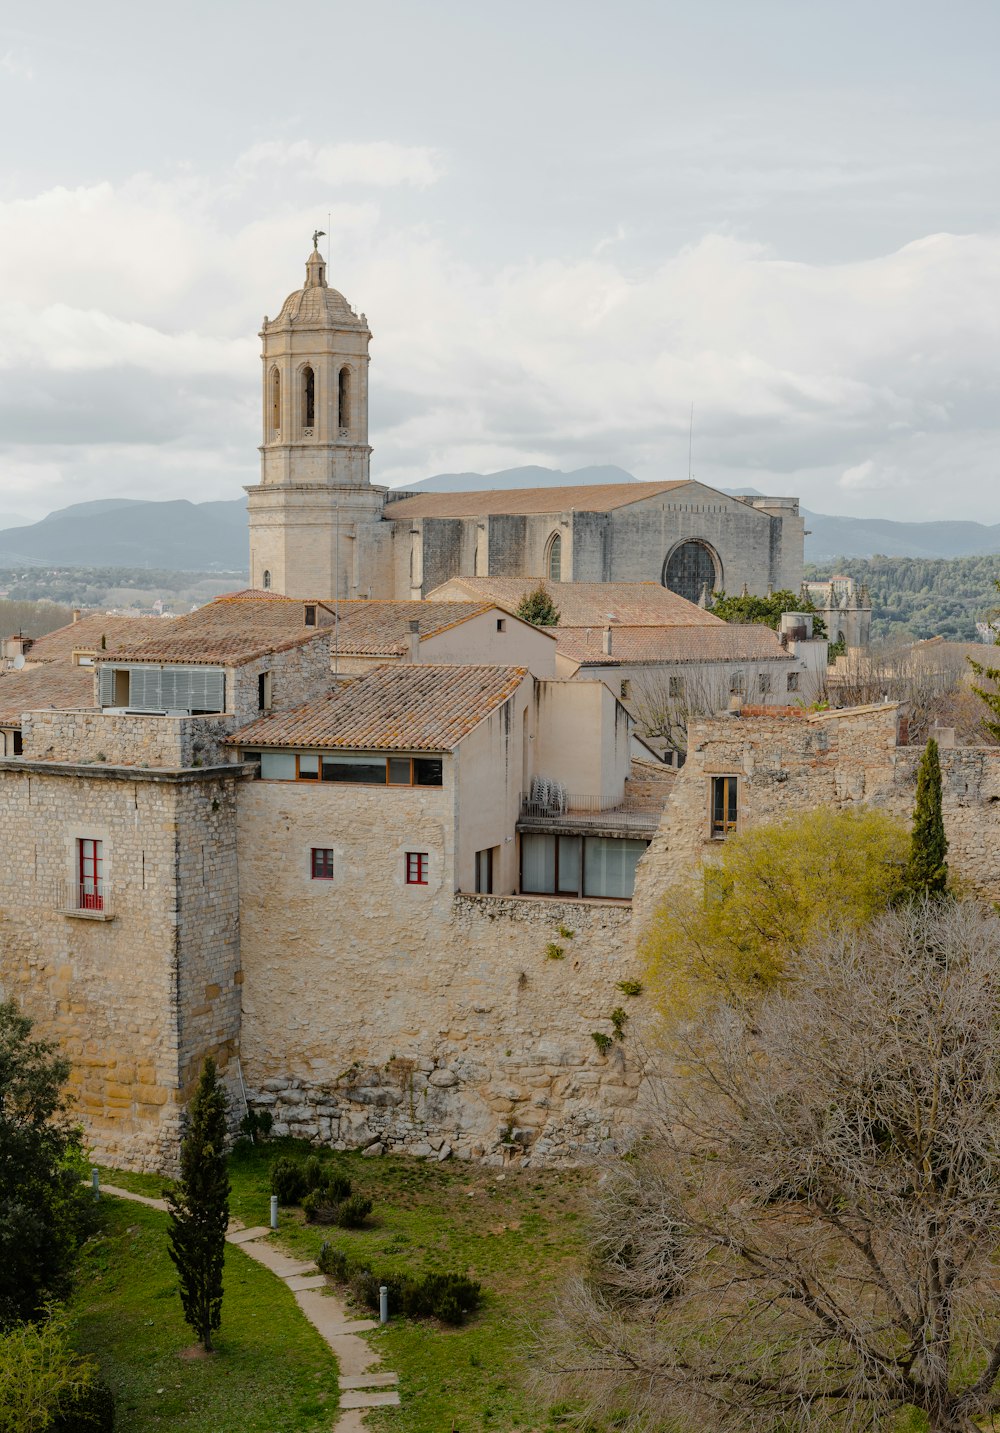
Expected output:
(415, 640)
(13, 647)
(606, 642)
(76, 614)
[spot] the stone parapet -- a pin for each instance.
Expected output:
(121, 739)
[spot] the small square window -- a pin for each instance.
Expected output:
(416, 868)
(322, 863)
(501, 624)
(308, 767)
(427, 771)
(399, 771)
(793, 681)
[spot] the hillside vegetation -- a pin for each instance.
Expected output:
(33, 619)
(918, 597)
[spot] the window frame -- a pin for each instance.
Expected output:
(89, 873)
(322, 869)
(792, 682)
(726, 825)
(375, 757)
(416, 875)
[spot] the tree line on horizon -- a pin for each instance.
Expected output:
(914, 598)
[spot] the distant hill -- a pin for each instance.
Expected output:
(186, 537)
(122, 532)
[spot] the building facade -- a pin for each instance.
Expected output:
(319, 528)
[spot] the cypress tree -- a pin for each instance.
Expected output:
(199, 1208)
(927, 869)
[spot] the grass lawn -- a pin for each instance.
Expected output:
(272, 1372)
(517, 1231)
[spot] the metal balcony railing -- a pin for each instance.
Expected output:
(565, 810)
(87, 898)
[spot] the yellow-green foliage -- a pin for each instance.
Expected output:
(38, 1373)
(735, 928)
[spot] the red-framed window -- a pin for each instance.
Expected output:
(90, 874)
(416, 868)
(322, 863)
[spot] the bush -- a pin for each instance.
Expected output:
(312, 1172)
(448, 1297)
(337, 1188)
(333, 1262)
(352, 1213)
(91, 1411)
(256, 1125)
(288, 1180)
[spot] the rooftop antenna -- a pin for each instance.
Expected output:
(690, 440)
(328, 227)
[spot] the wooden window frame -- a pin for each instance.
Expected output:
(90, 873)
(417, 865)
(321, 869)
(719, 829)
(412, 784)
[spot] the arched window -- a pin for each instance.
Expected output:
(690, 569)
(553, 559)
(344, 400)
(267, 578)
(275, 402)
(308, 398)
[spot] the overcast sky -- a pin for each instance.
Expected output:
(566, 222)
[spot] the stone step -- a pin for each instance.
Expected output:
(370, 1400)
(306, 1281)
(369, 1380)
(244, 1236)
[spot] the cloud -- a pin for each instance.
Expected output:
(377, 163)
(17, 66)
(128, 330)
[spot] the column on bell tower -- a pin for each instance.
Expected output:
(315, 486)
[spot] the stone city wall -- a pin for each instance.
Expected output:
(127, 991)
(82, 737)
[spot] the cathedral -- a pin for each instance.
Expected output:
(319, 528)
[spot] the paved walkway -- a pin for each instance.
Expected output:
(362, 1384)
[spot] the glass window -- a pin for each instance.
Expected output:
(673, 685)
(277, 766)
(427, 771)
(310, 615)
(416, 868)
(322, 863)
(399, 771)
(366, 770)
(724, 806)
(793, 681)
(484, 871)
(553, 566)
(609, 866)
(764, 682)
(90, 871)
(568, 850)
(538, 864)
(308, 767)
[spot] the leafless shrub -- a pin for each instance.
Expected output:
(807, 1239)
(933, 683)
(665, 702)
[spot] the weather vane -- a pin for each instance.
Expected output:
(317, 235)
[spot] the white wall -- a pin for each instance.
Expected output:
(581, 739)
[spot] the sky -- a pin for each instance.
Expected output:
(567, 223)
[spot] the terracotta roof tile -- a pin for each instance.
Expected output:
(594, 497)
(729, 642)
(229, 630)
(586, 604)
(382, 628)
(55, 684)
(86, 634)
(393, 708)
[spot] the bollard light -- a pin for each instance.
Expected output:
(383, 1305)
(95, 1179)
(274, 1211)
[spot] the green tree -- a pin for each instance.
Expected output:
(766, 610)
(927, 869)
(990, 695)
(199, 1208)
(736, 929)
(43, 1209)
(538, 608)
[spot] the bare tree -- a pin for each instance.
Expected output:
(933, 681)
(665, 702)
(808, 1238)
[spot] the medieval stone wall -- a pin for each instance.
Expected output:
(120, 740)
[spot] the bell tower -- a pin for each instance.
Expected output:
(315, 486)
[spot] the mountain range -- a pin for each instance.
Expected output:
(212, 536)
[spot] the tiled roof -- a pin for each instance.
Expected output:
(382, 628)
(230, 630)
(393, 708)
(595, 497)
(729, 642)
(586, 604)
(55, 684)
(86, 634)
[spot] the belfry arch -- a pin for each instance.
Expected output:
(690, 567)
